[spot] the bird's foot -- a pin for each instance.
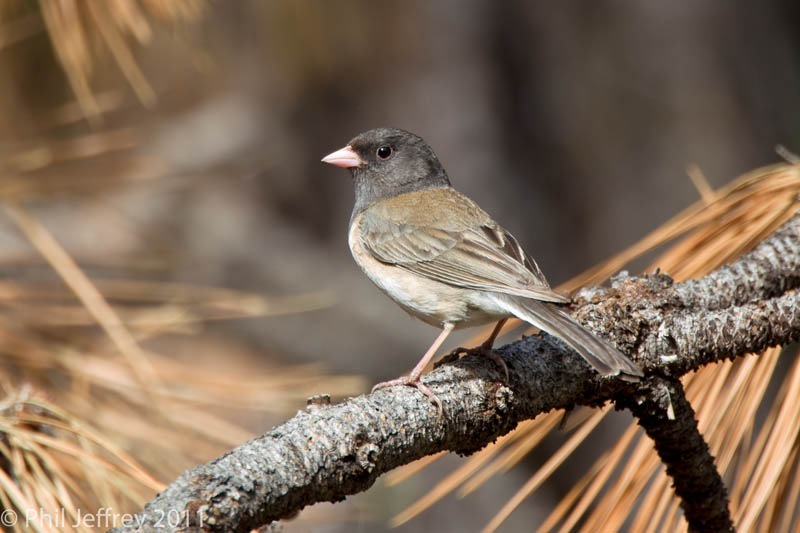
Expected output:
(417, 384)
(485, 351)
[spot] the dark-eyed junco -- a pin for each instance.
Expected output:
(443, 259)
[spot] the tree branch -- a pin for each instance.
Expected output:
(667, 417)
(327, 453)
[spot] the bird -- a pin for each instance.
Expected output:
(444, 260)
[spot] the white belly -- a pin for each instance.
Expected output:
(431, 301)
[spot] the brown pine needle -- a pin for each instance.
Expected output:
(76, 28)
(67, 36)
(723, 388)
(441, 489)
(635, 472)
(604, 469)
(658, 495)
(754, 452)
(16, 496)
(115, 41)
(700, 182)
(457, 477)
(20, 436)
(631, 493)
(513, 454)
(73, 427)
(399, 475)
(777, 451)
(788, 513)
(787, 154)
(673, 518)
(740, 416)
(569, 499)
(59, 476)
(546, 470)
(86, 292)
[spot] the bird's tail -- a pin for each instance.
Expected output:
(603, 357)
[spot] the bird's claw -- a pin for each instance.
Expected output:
(484, 351)
(417, 384)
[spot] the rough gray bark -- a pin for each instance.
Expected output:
(668, 418)
(327, 453)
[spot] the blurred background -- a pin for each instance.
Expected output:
(172, 149)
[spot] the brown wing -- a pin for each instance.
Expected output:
(477, 256)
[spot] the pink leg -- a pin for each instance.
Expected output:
(413, 378)
(495, 332)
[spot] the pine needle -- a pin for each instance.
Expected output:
(546, 470)
(85, 290)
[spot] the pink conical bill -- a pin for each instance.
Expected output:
(345, 158)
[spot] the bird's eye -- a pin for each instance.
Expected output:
(384, 152)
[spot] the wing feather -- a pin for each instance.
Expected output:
(484, 257)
